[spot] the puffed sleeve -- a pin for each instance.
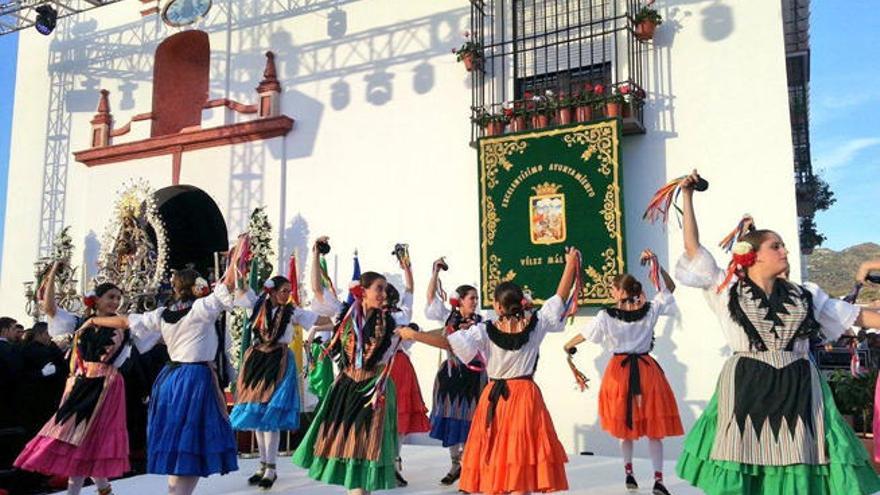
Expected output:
(550, 316)
(144, 326)
(466, 344)
(406, 309)
(145, 341)
(246, 299)
(596, 329)
(62, 323)
(834, 315)
(328, 305)
(436, 310)
(208, 308)
(700, 272)
(664, 302)
(304, 317)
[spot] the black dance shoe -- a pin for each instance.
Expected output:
(452, 476)
(659, 489)
(266, 483)
(256, 477)
(631, 484)
(401, 482)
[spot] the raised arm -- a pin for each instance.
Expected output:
(435, 277)
(689, 227)
(317, 284)
(868, 318)
(866, 268)
(571, 265)
(407, 276)
(574, 342)
(47, 303)
(120, 322)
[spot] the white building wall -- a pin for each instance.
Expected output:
(371, 171)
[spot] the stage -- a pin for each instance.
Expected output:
(423, 467)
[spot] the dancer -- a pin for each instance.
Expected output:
(635, 399)
(864, 276)
(458, 384)
(411, 410)
(772, 426)
(87, 437)
(353, 439)
(319, 370)
(267, 392)
(188, 431)
(512, 446)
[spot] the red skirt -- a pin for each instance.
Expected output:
(412, 415)
(519, 451)
(652, 413)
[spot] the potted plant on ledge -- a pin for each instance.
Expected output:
(583, 103)
(854, 396)
(646, 22)
(491, 123)
(563, 104)
(614, 103)
(515, 113)
(542, 108)
(470, 53)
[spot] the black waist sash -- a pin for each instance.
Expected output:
(635, 380)
(500, 390)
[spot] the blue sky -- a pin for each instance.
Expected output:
(845, 118)
(8, 56)
(844, 107)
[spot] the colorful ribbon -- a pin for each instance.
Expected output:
(745, 224)
(663, 201)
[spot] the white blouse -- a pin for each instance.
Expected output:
(502, 363)
(701, 272)
(193, 339)
(631, 337)
(65, 323)
(301, 317)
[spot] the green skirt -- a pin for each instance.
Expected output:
(848, 472)
(321, 376)
(352, 424)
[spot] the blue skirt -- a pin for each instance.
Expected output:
(280, 413)
(188, 433)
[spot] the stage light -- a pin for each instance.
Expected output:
(46, 17)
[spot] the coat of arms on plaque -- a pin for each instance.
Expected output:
(547, 214)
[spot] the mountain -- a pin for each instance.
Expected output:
(834, 271)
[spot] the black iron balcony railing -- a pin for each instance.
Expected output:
(535, 63)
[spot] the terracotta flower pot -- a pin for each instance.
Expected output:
(494, 128)
(583, 113)
(470, 62)
(540, 121)
(563, 116)
(645, 30)
(612, 109)
(517, 123)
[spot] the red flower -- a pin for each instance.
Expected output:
(624, 90)
(454, 302)
(745, 260)
(90, 301)
(588, 88)
(599, 89)
(508, 112)
(528, 95)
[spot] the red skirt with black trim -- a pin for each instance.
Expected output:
(653, 412)
(412, 414)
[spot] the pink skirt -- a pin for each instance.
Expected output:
(103, 453)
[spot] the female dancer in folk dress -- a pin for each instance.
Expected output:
(411, 410)
(267, 392)
(512, 446)
(635, 399)
(353, 439)
(772, 426)
(188, 431)
(458, 384)
(87, 436)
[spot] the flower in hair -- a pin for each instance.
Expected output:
(455, 302)
(356, 289)
(201, 287)
(90, 299)
(268, 285)
(742, 248)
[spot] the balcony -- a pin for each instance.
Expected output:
(538, 63)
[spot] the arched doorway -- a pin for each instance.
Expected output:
(194, 227)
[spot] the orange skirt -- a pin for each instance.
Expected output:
(520, 451)
(654, 412)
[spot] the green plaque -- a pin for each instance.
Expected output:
(541, 191)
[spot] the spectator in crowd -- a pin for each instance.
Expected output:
(45, 371)
(12, 435)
